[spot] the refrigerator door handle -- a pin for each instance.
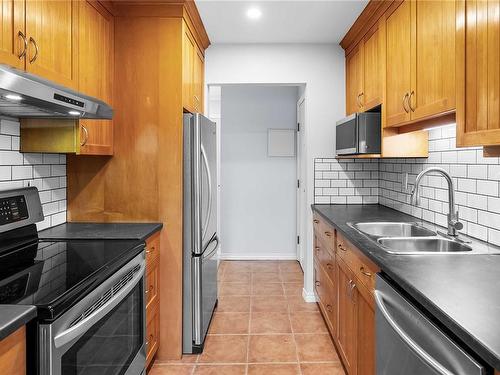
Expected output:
(214, 250)
(426, 357)
(209, 180)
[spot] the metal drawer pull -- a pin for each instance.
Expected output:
(329, 266)
(315, 221)
(405, 97)
(426, 357)
(329, 308)
(33, 41)
(341, 247)
(366, 273)
(25, 41)
(328, 234)
(353, 287)
(409, 101)
(150, 251)
(84, 142)
(151, 289)
(317, 283)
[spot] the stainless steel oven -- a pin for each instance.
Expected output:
(359, 133)
(104, 333)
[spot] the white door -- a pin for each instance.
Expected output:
(301, 183)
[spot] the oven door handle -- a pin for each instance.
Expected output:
(84, 325)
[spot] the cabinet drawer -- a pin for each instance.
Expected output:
(325, 258)
(152, 250)
(324, 232)
(151, 286)
(363, 268)
(325, 291)
(152, 334)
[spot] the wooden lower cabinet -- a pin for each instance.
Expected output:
(345, 298)
(13, 353)
(152, 297)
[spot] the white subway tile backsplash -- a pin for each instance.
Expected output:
(476, 179)
(47, 172)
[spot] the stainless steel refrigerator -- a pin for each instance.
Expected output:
(200, 242)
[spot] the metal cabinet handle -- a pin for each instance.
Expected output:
(329, 266)
(150, 251)
(25, 42)
(359, 100)
(341, 247)
(405, 98)
(353, 287)
(317, 248)
(316, 221)
(328, 234)
(33, 41)
(409, 101)
(84, 142)
(349, 288)
(150, 289)
(366, 273)
(329, 308)
(419, 351)
(317, 283)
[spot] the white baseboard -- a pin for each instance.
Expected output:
(272, 256)
(308, 297)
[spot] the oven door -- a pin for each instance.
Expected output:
(102, 334)
(346, 136)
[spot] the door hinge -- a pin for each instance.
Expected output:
(298, 126)
(298, 240)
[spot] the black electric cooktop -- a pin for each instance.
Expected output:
(54, 275)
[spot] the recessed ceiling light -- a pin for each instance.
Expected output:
(74, 113)
(13, 97)
(254, 13)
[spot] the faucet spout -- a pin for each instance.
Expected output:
(453, 222)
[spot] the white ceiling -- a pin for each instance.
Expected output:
(282, 21)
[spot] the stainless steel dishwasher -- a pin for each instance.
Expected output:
(408, 343)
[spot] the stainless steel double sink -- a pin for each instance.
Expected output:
(410, 238)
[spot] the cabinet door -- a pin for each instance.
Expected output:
(433, 58)
(354, 84)
(372, 68)
(365, 330)
(95, 73)
(198, 80)
(346, 324)
(12, 33)
(398, 64)
(188, 56)
(52, 30)
(478, 56)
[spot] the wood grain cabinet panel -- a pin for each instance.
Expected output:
(433, 58)
(198, 78)
(373, 64)
(478, 73)
(188, 61)
(95, 73)
(365, 330)
(13, 353)
(12, 33)
(152, 297)
(52, 31)
(354, 81)
(398, 64)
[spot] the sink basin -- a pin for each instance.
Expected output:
(419, 245)
(388, 229)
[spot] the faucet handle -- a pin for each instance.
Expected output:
(458, 225)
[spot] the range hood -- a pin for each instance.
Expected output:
(24, 95)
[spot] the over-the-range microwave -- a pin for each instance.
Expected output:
(359, 133)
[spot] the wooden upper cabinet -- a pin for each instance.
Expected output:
(52, 32)
(398, 64)
(95, 73)
(478, 73)
(354, 81)
(346, 325)
(373, 63)
(433, 58)
(12, 33)
(198, 80)
(188, 58)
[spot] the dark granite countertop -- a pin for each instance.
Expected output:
(13, 317)
(461, 291)
(107, 231)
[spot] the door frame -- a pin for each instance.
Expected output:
(301, 178)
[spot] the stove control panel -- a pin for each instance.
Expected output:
(13, 209)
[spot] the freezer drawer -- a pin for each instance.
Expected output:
(408, 343)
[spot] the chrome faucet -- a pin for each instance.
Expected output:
(453, 223)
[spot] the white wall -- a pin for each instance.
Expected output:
(258, 192)
(321, 68)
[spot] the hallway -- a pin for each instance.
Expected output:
(261, 326)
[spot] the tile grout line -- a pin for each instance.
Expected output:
(293, 332)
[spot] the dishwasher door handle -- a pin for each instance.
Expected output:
(421, 353)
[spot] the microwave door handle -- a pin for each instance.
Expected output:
(420, 352)
(74, 332)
